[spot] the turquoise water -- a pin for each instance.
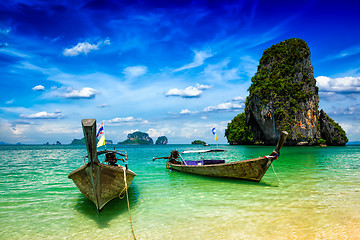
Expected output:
(318, 197)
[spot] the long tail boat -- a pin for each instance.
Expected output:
(98, 181)
(250, 170)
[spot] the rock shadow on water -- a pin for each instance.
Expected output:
(112, 209)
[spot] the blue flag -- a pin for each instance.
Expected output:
(101, 130)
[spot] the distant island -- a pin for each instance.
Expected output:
(137, 138)
(57, 143)
(161, 140)
(198, 142)
(283, 96)
(4, 143)
(82, 142)
(78, 141)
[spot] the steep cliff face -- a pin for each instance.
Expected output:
(331, 131)
(283, 95)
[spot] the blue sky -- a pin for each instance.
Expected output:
(172, 68)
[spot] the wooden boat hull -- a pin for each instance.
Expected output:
(108, 182)
(251, 170)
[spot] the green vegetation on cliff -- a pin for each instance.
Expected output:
(138, 138)
(237, 132)
(331, 131)
(283, 96)
(282, 82)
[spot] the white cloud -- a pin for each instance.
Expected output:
(130, 131)
(43, 115)
(199, 59)
(155, 133)
(86, 92)
(123, 120)
(203, 87)
(135, 71)
(229, 106)
(18, 130)
(84, 48)
(339, 85)
(189, 92)
(186, 111)
(10, 101)
(38, 88)
(238, 98)
(223, 107)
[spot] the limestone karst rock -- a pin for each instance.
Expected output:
(283, 96)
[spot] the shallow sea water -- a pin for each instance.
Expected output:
(318, 197)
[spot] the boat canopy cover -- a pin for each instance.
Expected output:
(204, 151)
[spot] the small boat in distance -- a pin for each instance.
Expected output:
(98, 181)
(250, 170)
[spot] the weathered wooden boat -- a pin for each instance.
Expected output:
(101, 182)
(251, 169)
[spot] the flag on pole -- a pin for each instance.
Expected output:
(101, 141)
(214, 132)
(101, 132)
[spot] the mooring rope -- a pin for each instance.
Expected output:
(127, 200)
(275, 173)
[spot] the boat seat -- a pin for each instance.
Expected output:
(209, 162)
